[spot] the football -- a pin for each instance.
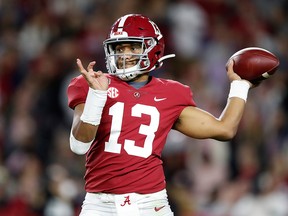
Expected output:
(254, 64)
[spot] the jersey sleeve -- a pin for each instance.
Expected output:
(182, 94)
(189, 96)
(184, 98)
(77, 91)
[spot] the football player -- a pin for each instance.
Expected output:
(122, 119)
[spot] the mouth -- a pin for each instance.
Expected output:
(127, 64)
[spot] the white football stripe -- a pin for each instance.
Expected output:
(266, 75)
(122, 22)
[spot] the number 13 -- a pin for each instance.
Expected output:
(117, 112)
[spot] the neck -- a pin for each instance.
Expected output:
(140, 82)
(141, 78)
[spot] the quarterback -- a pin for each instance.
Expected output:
(122, 119)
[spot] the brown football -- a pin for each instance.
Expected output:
(254, 64)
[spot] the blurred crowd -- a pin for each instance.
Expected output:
(39, 43)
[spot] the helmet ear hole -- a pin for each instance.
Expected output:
(157, 57)
(158, 54)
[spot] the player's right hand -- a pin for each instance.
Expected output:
(96, 79)
(232, 75)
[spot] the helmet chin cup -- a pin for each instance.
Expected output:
(127, 74)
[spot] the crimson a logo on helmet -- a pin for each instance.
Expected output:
(112, 92)
(118, 34)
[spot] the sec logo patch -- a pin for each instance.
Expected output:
(113, 92)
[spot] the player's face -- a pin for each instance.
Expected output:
(128, 54)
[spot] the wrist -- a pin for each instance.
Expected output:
(94, 105)
(239, 89)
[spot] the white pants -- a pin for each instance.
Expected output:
(131, 204)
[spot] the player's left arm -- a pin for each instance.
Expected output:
(197, 123)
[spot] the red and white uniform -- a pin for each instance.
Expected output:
(125, 156)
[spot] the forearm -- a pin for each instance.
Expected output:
(81, 137)
(231, 117)
(82, 134)
(82, 131)
(86, 119)
(85, 128)
(233, 112)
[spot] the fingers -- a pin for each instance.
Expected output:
(229, 68)
(229, 65)
(82, 69)
(80, 66)
(90, 66)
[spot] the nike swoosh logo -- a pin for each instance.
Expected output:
(158, 208)
(159, 99)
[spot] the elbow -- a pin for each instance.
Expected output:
(78, 150)
(79, 147)
(227, 134)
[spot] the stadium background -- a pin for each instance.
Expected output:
(39, 42)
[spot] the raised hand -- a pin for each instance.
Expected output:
(96, 79)
(232, 75)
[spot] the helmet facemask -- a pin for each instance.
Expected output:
(143, 64)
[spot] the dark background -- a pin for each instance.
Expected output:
(39, 43)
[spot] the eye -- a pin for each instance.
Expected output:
(136, 47)
(119, 49)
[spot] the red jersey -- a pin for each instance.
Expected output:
(126, 153)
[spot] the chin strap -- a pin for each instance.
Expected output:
(160, 60)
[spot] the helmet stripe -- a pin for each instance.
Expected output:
(122, 22)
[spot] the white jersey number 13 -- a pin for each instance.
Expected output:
(117, 111)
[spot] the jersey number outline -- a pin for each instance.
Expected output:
(117, 112)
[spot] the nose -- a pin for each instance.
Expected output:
(127, 53)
